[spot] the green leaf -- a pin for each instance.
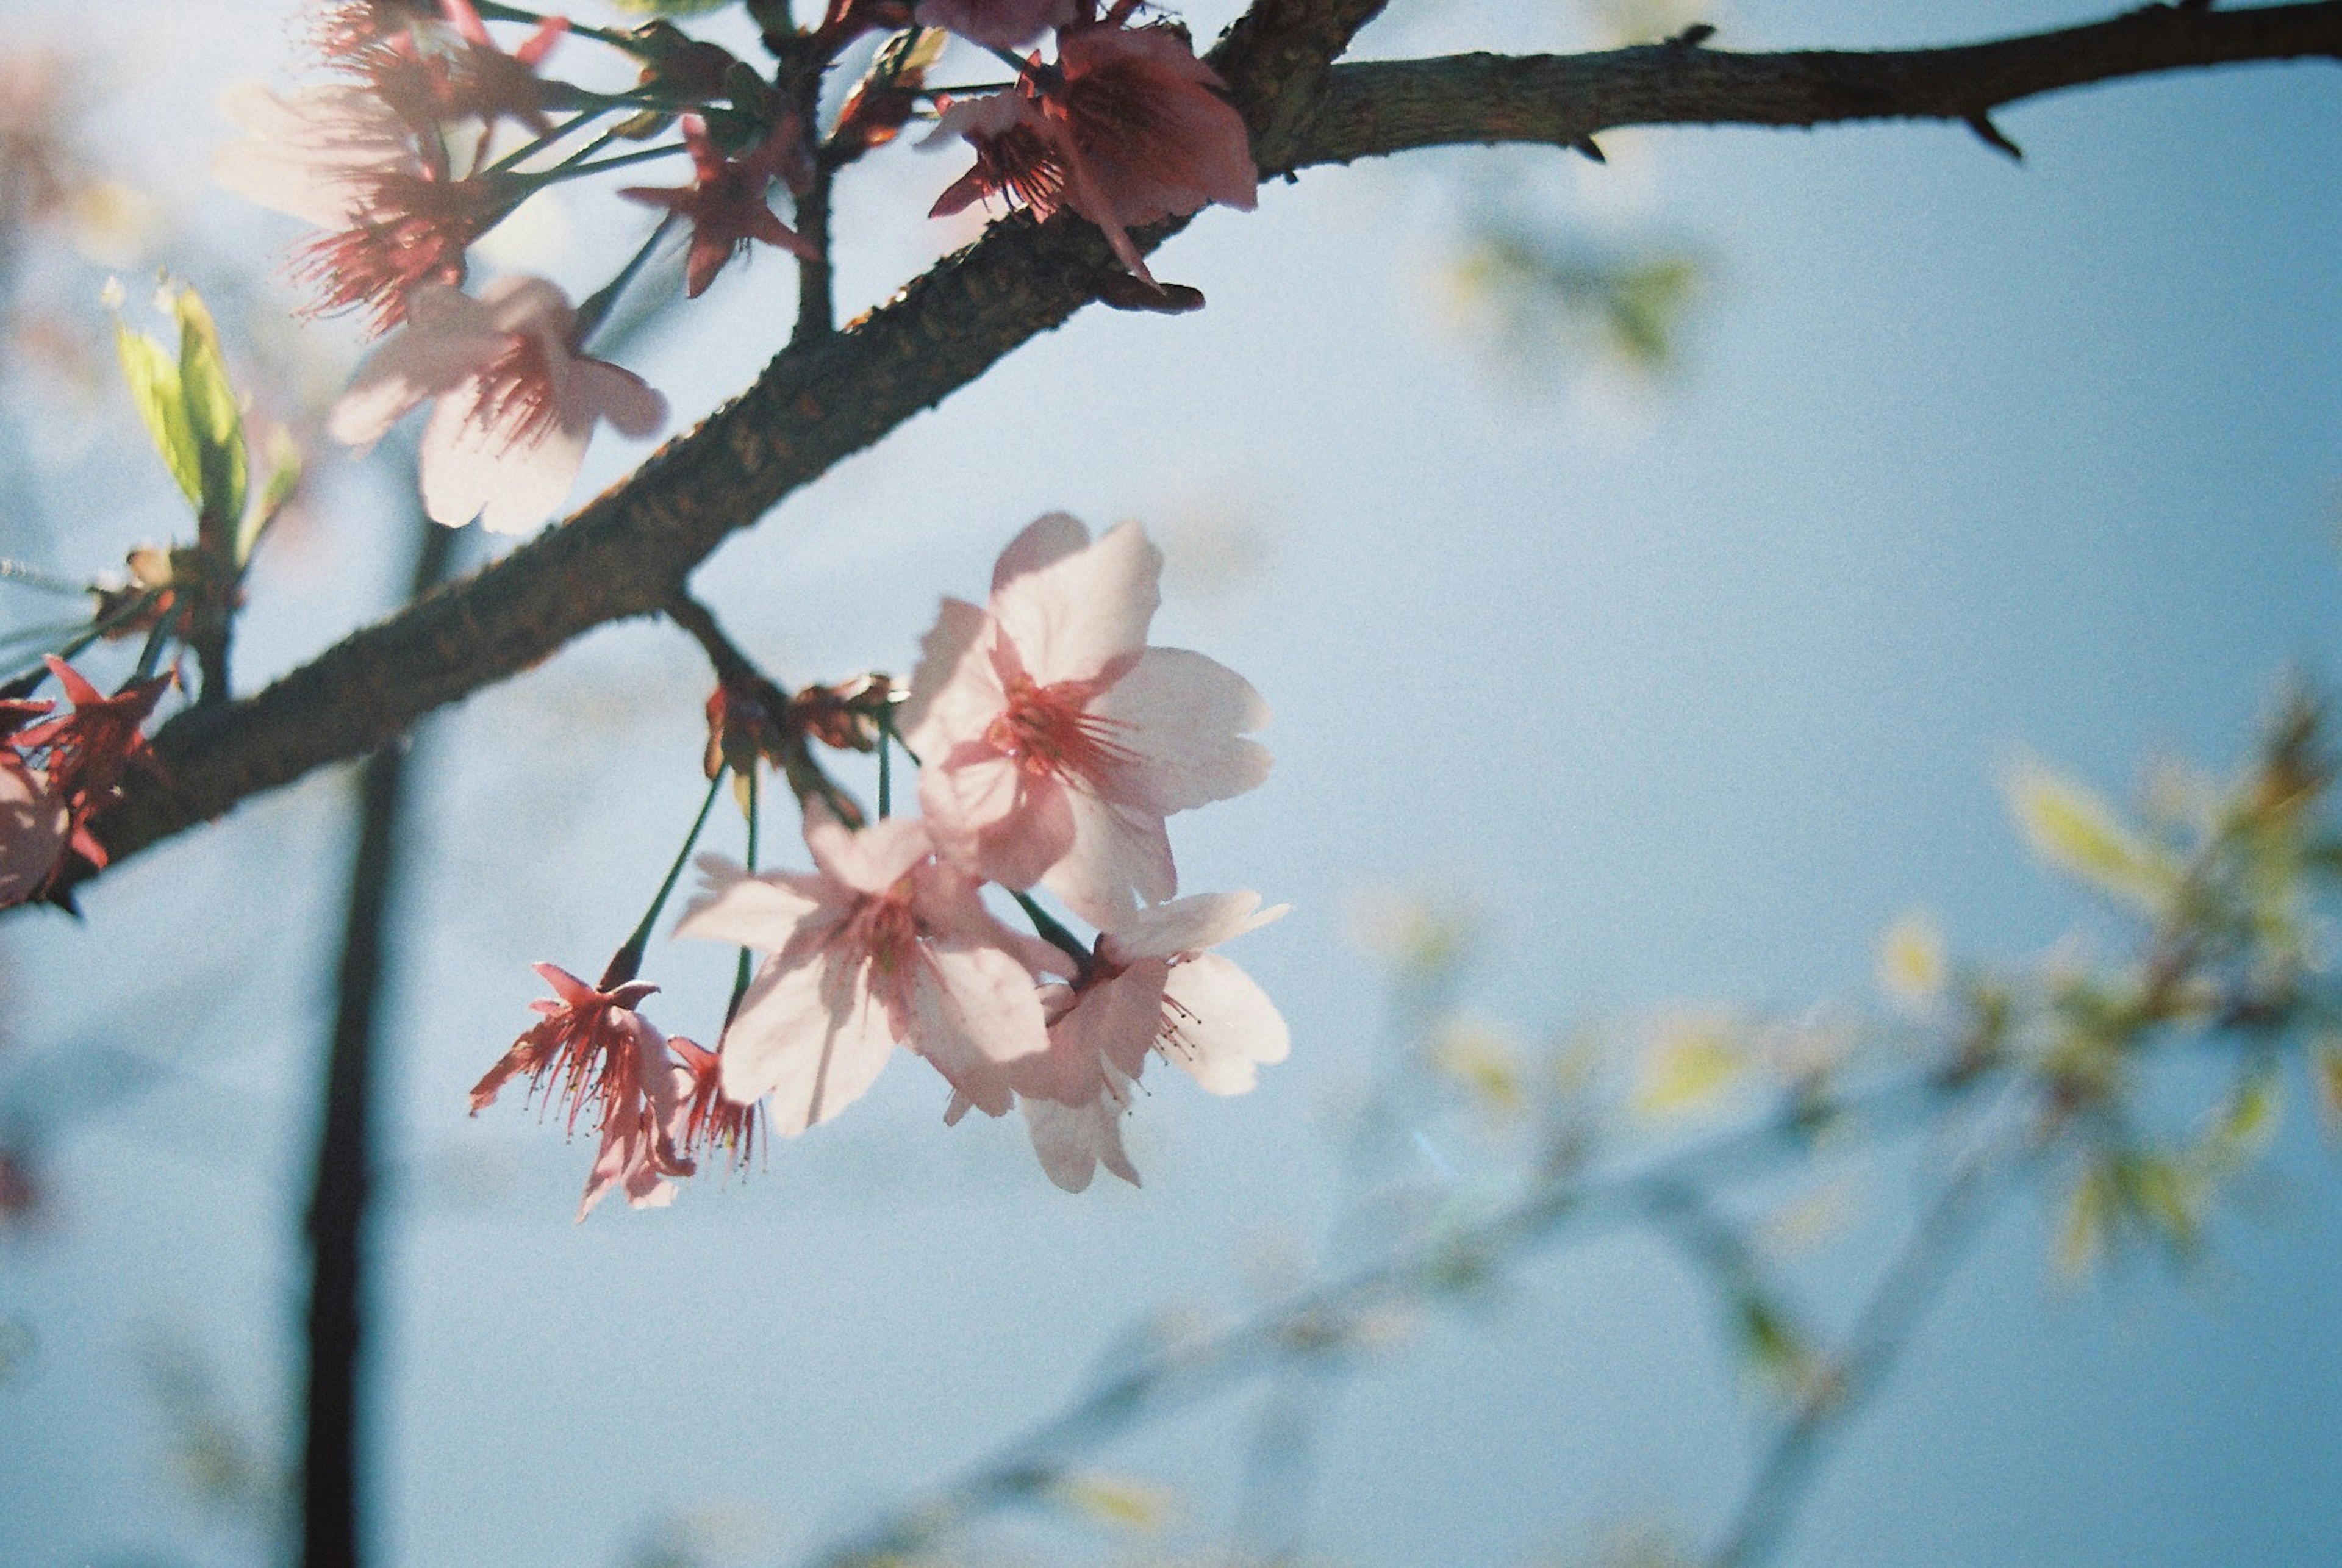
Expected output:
(284, 458)
(213, 418)
(152, 375)
(1114, 1501)
(2074, 830)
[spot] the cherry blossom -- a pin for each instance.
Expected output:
(1055, 741)
(595, 1056)
(1127, 127)
(709, 1120)
(881, 945)
(997, 23)
(726, 201)
(516, 402)
(88, 750)
(1151, 987)
(35, 824)
(347, 161)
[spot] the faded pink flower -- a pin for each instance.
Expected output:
(1127, 127)
(34, 823)
(881, 945)
(344, 159)
(1055, 741)
(997, 23)
(1152, 987)
(709, 1120)
(517, 402)
(84, 754)
(726, 201)
(595, 1056)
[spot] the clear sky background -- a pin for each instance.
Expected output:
(1694, 685)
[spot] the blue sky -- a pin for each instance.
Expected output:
(1694, 687)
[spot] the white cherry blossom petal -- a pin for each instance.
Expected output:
(1224, 1026)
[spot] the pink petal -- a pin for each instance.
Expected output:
(414, 362)
(997, 24)
(34, 824)
(870, 860)
(810, 1036)
(954, 693)
(1072, 1141)
(600, 390)
(1046, 541)
(1118, 852)
(768, 912)
(1073, 618)
(1186, 924)
(972, 1009)
(1184, 716)
(1225, 1025)
(471, 469)
(1112, 1024)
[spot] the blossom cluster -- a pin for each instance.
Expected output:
(401, 160)
(1053, 741)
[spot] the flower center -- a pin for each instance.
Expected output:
(516, 401)
(1049, 730)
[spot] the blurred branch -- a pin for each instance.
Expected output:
(826, 397)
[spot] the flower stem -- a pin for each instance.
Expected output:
(885, 764)
(627, 961)
(596, 310)
(1054, 935)
(574, 171)
(746, 968)
(152, 654)
(492, 11)
(529, 149)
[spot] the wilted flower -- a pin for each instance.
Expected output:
(709, 1120)
(599, 1059)
(517, 402)
(1151, 986)
(1055, 741)
(1127, 127)
(35, 824)
(726, 201)
(88, 750)
(881, 945)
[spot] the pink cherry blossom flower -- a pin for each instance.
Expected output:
(1152, 987)
(86, 752)
(516, 402)
(880, 946)
(597, 1058)
(709, 1120)
(997, 23)
(347, 161)
(726, 201)
(1055, 741)
(1127, 127)
(35, 824)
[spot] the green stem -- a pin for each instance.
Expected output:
(574, 171)
(627, 961)
(885, 766)
(1054, 935)
(152, 654)
(529, 149)
(597, 307)
(746, 968)
(492, 11)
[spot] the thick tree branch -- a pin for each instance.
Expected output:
(1389, 106)
(819, 401)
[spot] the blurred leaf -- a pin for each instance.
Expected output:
(1118, 1502)
(18, 1345)
(213, 420)
(2326, 1072)
(1911, 966)
(1546, 293)
(1424, 935)
(152, 373)
(2071, 828)
(2090, 1210)
(1485, 1061)
(671, 8)
(1691, 1063)
(1775, 1349)
(285, 469)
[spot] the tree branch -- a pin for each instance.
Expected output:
(631, 549)
(1389, 106)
